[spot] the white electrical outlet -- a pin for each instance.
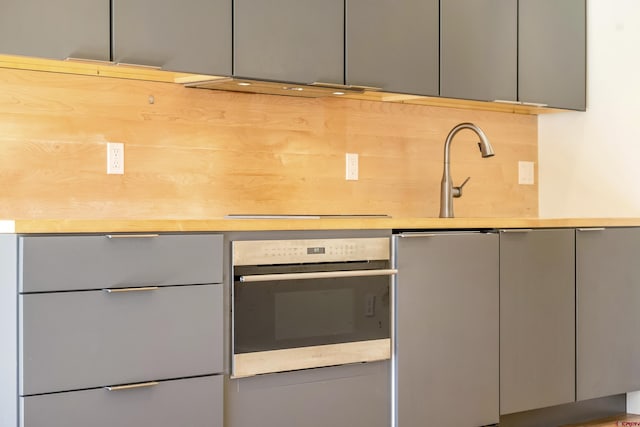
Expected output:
(115, 158)
(351, 160)
(526, 173)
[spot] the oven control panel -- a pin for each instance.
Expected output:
(253, 252)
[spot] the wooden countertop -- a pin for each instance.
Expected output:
(223, 224)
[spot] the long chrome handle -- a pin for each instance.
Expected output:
(89, 61)
(353, 88)
(144, 66)
(535, 104)
(516, 230)
(317, 275)
(122, 290)
(130, 386)
(131, 236)
(591, 229)
(442, 233)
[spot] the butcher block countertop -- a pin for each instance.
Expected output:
(306, 223)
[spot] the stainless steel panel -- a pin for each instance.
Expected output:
(194, 402)
(54, 263)
(258, 252)
(75, 340)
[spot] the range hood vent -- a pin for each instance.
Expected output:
(314, 90)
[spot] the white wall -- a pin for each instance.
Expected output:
(589, 163)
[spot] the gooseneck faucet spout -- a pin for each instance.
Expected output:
(447, 190)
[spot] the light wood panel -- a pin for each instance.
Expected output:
(198, 154)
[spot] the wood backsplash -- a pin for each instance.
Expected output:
(196, 154)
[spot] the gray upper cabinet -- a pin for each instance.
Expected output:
(552, 53)
(189, 35)
(478, 57)
(55, 29)
(537, 319)
(447, 329)
(298, 41)
(608, 319)
(393, 45)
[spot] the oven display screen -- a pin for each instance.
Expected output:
(315, 251)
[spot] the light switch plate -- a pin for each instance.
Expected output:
(526, 175)
(351, 160)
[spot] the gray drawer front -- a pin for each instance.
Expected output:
(193, 402)
(53, 263)
(76, 340)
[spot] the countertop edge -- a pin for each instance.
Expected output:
(38, 226)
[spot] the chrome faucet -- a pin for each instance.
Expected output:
(447, 189)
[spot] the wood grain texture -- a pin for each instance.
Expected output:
(28, 226)
(199, 154)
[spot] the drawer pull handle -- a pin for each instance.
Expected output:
(130, 386)
(131, 236)
(592, 229)
(516, 230)
(122, 290)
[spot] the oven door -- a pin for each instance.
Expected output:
(311, 315)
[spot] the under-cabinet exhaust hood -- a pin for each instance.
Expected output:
(313, 90)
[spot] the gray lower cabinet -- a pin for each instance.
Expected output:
(608, 319)
(120, 330)
(537, 319)
(192, 402)
(298, 41)
(55, 29)
(190, 35)
(342, 396)
(479, 49)
(552, 53)
(393, 45)
(447, 329)
(84, 262)
(77, 340)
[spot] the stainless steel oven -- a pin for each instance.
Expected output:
(300, 304)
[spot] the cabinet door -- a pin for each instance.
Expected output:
(289, 40)
(478, 56)
(447, 330)
(55, 29)
(552, 53)
(537, 319)
(393, 44)
(608, 319)
(342, 396)
(189, 35)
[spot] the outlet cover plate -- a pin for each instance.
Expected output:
(115, 158)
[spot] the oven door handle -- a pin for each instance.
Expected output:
(317, 275)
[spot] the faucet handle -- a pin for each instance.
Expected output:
(457, 191)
